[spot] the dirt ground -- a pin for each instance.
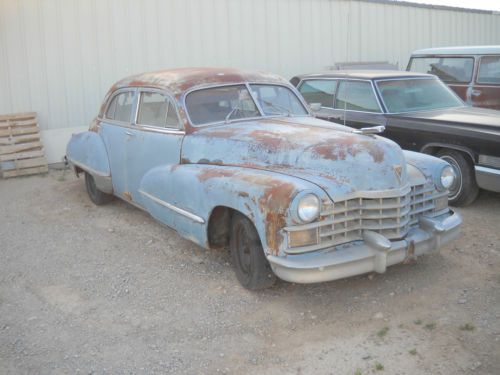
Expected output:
(108, 290)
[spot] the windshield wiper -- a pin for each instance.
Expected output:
(278, 107)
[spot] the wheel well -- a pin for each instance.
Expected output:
(219, 227)
(433, 150)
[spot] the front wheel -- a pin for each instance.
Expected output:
(96, 196)
(251, 266)
(464, 190)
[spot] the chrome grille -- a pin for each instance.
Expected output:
(344, 221)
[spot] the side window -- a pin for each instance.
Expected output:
(449, 69)
(120, 107)
(156, 109)
(319, 91)
(489, 70)
(356, 96)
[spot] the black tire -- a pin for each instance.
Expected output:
(251, 266)
(96, 196)
(465, 190)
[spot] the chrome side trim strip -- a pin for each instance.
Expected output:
(88, 169)
(180, 211)
(478, 168)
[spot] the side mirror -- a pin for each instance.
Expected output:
(315, 106)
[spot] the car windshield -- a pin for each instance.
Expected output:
(277, 100)
(226, 103)
(409, 95)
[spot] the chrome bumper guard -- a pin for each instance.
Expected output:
(374, 253)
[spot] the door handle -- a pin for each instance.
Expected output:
(130, 134)
(476, 92)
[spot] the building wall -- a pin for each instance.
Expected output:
(59, 57)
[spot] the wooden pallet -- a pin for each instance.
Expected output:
(21, 149)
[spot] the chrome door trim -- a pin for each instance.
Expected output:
(180, 211)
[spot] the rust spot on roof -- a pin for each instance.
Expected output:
(178, 81)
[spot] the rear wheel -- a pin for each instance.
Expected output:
(251, 266)
(464, 190)
(98, 197)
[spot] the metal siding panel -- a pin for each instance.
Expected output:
(72, 74)
(5, 94)
(16, 59)
(55, 64)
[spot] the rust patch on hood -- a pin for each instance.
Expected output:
(350, 146)
(207, 174)
(270, 140)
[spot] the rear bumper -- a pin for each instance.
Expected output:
(374, 253)
(488, 178)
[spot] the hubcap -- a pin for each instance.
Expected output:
(456, 188)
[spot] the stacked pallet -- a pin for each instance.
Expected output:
(21, 149)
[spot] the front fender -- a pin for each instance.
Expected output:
(86, 151)
(262, 196)
(430, 166)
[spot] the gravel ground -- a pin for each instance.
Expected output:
(108, 290)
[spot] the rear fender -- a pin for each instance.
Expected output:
(263, 197)
(86, 151)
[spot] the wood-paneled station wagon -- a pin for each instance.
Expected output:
(230, 158)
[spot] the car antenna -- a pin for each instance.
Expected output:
(347, 59)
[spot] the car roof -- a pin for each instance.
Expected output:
(460, 50)
(364, 74)
(178, 81)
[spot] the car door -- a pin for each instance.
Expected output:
(116, 133)
(155, 142)
(486, 90)
(356, 104)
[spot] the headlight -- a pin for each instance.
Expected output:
(308, 208)
(447, 177)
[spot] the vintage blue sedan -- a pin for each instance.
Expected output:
(234, 159)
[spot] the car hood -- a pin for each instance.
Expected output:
(479, 118)
(329, 155)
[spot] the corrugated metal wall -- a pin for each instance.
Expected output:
(58, 57)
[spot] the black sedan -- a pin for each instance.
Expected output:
(420, 113)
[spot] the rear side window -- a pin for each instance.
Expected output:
(448, 69)
(319, 91)
(356, 96)
(489, 70)
(156, 109)
(120, 107)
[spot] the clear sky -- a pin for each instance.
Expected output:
(474, 4)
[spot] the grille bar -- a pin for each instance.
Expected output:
(393, 217)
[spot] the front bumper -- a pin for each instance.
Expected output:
(374, 253)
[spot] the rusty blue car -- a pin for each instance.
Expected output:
(234, 159)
